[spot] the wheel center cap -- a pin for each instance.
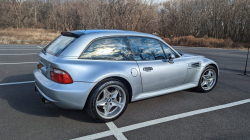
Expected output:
(109, 100)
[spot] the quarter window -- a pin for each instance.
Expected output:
(114, 48)
(59, 44)
(146, 48)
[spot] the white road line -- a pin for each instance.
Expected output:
(16, 83)
(169, 118)
(116, 132)
(183, 115)
(18, 63)
(95, 136)
(20, 54)
(39, 47)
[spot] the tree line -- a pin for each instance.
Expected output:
(220, 19)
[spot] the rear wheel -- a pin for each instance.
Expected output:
(108, 101)
(208, 79)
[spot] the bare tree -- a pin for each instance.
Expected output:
(220, 19)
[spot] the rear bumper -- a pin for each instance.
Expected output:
(67, 96)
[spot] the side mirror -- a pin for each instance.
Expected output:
(171, 58)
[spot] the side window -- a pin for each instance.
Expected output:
(168, 51)
(146, 48)
(113, 48)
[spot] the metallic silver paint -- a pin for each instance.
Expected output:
(67, 96)
(163, 75)
(162, 79)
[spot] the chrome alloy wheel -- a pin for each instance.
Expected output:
(208, 79)
(110, 101)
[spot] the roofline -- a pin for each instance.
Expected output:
(109, 31)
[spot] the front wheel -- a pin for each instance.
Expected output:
(208, 79)
(108, 101)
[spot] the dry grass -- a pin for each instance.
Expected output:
(42, 36)
(27, 36)
(205, 42)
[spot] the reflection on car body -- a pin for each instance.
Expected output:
(104, 70)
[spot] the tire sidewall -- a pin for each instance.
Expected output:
(200, 81)
(91, 108)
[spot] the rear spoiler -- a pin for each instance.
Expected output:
(70, 34)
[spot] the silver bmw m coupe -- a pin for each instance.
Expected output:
(103, 70)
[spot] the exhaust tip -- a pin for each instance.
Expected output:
(45, 101)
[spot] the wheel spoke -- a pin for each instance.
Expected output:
(204, 77)
(209, 83)
(106, 93)
(209, 74)
(211, 79)
(203, 83)
(101, 102)
(106, 109)
(115, 93)
(116, 103)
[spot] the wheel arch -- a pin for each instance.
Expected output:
(121, 79)
(214, 65)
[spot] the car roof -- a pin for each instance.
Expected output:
(106, 32)
(82, 32)
(87, 36)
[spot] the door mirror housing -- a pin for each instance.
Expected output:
(171, 57)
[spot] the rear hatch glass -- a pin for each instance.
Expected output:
(59, 44)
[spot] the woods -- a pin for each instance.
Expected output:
(220, 19)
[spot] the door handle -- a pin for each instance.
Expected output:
(147, 68)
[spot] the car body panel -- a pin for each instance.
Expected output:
(164, 91)
(67, 96)
(165, 77)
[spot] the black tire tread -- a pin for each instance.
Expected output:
(199, 88)
(90, 104)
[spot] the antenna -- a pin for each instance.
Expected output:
(84, 27)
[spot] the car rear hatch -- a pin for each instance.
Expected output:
(48, 57)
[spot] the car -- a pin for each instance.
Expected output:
(101, 71)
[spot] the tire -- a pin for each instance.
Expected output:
(107, 101)
(205, 83)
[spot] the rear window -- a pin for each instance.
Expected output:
(59, 44)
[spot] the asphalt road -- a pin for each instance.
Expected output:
(24, 116)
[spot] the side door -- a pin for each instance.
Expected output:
(156, 72)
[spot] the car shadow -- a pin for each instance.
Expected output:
(24, 98)
(192, 90)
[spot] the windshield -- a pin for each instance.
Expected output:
(59, 44)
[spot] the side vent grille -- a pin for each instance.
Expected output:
(196, 64)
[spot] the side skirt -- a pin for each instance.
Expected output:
(149, 94)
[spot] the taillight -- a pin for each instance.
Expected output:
(61, 76)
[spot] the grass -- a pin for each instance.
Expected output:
(42, 36)
(27, 36)
(205, 42)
